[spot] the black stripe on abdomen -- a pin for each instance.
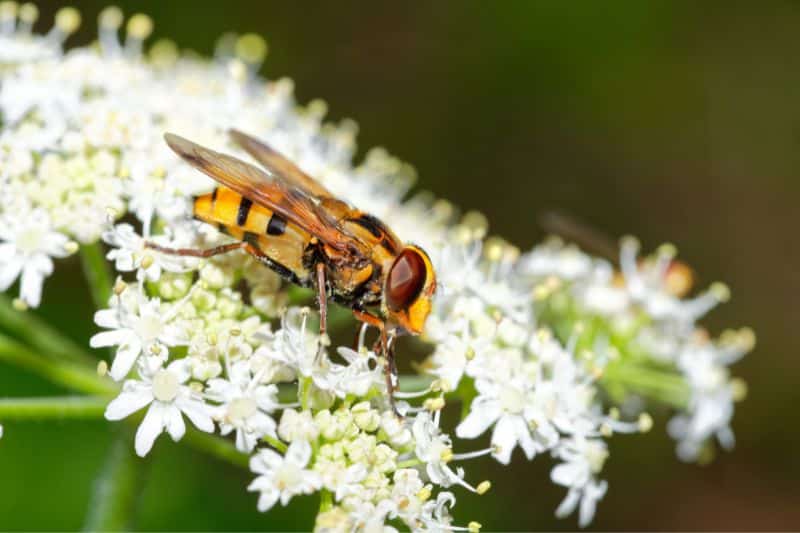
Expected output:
(276, 225)
(244, 210)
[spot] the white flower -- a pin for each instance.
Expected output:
(435, 515)
(503, 406)
(130, 253)
(28, 242)
(434, 449)
(137, 325)
(587, 496)
(283, 477)
(246, 404)
(296, 425)
(168, 397)
(583, 459)
(362, 373)
(295, 346)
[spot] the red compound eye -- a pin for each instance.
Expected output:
(406, 280)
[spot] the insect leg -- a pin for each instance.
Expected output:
(322, 301)
(385, 346)
(191, 252)
(389, 368)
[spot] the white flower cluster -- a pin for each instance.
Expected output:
(642, 320)
(526, 343)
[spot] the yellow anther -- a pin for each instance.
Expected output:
(251, 48)
(476, 222)
(434, 404)
(613, 413)
(19, 304)
(164, 53)
(493, 248)
(424, 494)
(470, 353)
(446, 455)
(667, 250)
(442, 209)
(28, 13)
(720, 291)
(483, 487)
(68, 19)
(605, 430)
(147, 261)
(140, 26)
(212, 339)
(102, 368)
(119, 286)
(645, 422)
(629, 241)
(474, 527)
(317, 108)
(110, 17)
(71, 247)
(747, 339)
(8, 10)
(738, 389)
(235, 332)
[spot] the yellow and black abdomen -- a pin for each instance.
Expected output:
(281, 241)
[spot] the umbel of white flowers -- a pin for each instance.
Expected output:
(526, 341)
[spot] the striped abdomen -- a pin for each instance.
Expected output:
(281, 241)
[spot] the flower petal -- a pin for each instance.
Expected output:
(150, 428)
(174, 422)
(126, 403)
(198, 412)
(125, 358)
(478, 420)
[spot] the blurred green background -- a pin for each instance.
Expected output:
(676, 121)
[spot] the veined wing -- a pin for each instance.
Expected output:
(263, 189)
(278, 165)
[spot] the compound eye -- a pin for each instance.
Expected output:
(406, 280)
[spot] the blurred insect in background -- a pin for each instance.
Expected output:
(678, 277)
(291, 223)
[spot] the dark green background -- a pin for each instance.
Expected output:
(674, 121)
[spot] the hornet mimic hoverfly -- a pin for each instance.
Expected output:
(291, 223)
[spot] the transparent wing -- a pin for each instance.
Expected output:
(278, 165)
(264, 189)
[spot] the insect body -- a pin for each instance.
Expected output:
(296, 227)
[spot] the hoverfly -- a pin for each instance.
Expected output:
(292, 224)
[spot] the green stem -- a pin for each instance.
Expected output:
(217, 446)
(305, 393)
(58, 407)
(116, 489)
(98, 275)
(40, 335)
(325, 500)
(275, 443)
(663, 386)
(69, 375)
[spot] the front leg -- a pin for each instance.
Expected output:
(385, 346)
(322, 301)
